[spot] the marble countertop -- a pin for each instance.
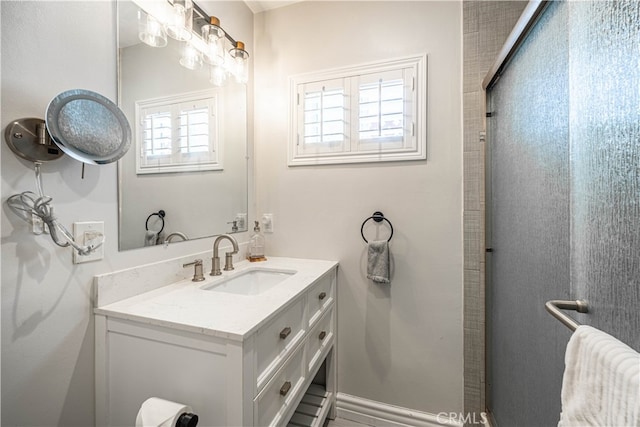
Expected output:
(185, 305)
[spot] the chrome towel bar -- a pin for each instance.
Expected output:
(554, 307)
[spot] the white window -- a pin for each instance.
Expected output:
(178, 133)
(369, 113)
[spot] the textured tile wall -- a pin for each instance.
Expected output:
(486, 26)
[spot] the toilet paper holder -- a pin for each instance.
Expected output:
(187, 419)
(158, 412)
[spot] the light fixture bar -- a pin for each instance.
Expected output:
(203, 15)
(204, 42)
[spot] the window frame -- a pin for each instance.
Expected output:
(213, 162)
(412, 145)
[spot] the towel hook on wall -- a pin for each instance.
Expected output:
(377, 217)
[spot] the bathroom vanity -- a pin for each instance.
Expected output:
(252, 347)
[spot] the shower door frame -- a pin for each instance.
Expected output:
(525, 23)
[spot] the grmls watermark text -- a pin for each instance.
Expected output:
(461, 418)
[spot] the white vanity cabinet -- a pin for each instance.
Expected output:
(232, 373)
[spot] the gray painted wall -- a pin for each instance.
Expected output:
(399, 344)
(47, 324)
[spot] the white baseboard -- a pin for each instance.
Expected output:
(377, 414)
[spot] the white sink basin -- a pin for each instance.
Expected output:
(253, 281)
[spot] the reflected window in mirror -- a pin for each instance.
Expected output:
(178, 133)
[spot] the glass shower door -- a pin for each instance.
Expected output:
(564, 205)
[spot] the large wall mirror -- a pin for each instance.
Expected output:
(164, 191)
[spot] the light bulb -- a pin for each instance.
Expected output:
(240, 67)
(150, 30)
(217, 75)
(180, 20)
(191, 57)
(213, 36)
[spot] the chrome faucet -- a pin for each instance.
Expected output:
(228, 260)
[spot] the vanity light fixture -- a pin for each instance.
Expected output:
(205, 40)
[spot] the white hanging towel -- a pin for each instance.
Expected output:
(601, 382)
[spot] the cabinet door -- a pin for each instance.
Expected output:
(148, 362)
(320, 337)
(277, 401)
(276, 340)
(321, 296)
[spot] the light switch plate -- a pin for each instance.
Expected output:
(86, 233)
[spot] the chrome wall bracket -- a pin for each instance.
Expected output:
(29, 139)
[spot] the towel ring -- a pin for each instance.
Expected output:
(377, 217)
(160, 214)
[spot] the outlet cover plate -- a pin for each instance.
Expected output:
(267, 223)
(85, 233)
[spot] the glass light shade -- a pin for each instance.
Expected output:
(217, 76)
(240, 67)
(180, 20)
(150, 30)
(191, 57)
(213, 36)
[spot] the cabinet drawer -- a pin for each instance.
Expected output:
(276, 340)
(321, 296)
(280, 395)
(320, 337)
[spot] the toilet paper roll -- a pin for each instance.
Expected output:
(156, 412)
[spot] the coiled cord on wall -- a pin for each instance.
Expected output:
(28, 204)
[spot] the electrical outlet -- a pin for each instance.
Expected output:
(88, 233)
(267, 223)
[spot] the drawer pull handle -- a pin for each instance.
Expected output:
(322, 335)
(285, 333)
(322, 295)
(285, 388)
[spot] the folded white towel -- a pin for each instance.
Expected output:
(601, 382)
(378, 268)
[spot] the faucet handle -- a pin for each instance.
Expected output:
(234, 228)
(228, 261)
(215, 266)
(197, 273)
